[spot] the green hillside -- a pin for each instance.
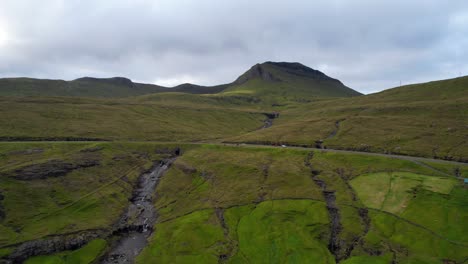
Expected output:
(162, 115)
(428, 119)
(423, 119)
(44, 118)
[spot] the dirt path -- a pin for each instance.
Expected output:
(136, 225)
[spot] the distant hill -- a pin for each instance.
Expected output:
(279, 80)
(455, 88)
(86, 87)
(92, 87)
(199, 89)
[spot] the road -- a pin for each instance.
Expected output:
(403, 157)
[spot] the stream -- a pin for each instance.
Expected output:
(334, 244)
(136, 225)
(268, 122)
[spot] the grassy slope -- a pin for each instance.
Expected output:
(287, 231)
(217, 201)
(265, 196)
(411, 195)
(122, 119)
(86, 198)
(425, 119)
(163, 116)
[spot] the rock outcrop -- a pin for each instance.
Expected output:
(257, 71)
(52, 168)
(51, 245)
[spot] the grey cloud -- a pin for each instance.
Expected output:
(369, 45)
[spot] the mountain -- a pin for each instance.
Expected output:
(280, 80)
(288, 81)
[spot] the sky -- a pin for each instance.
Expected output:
(369, 45)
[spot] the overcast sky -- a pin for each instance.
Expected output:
(369, 45)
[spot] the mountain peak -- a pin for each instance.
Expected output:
(289, 79)
(271, 71)
(299, 69)
(258, 71)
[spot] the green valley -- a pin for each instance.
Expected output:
(283, 165)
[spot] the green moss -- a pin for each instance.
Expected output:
(87, 254)
(410, 243)
(368, 260)
(5, 252)
(194, 238)
(392, 191)
(214, 176)
(282, 232)
(45, 260)
(446, 215)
